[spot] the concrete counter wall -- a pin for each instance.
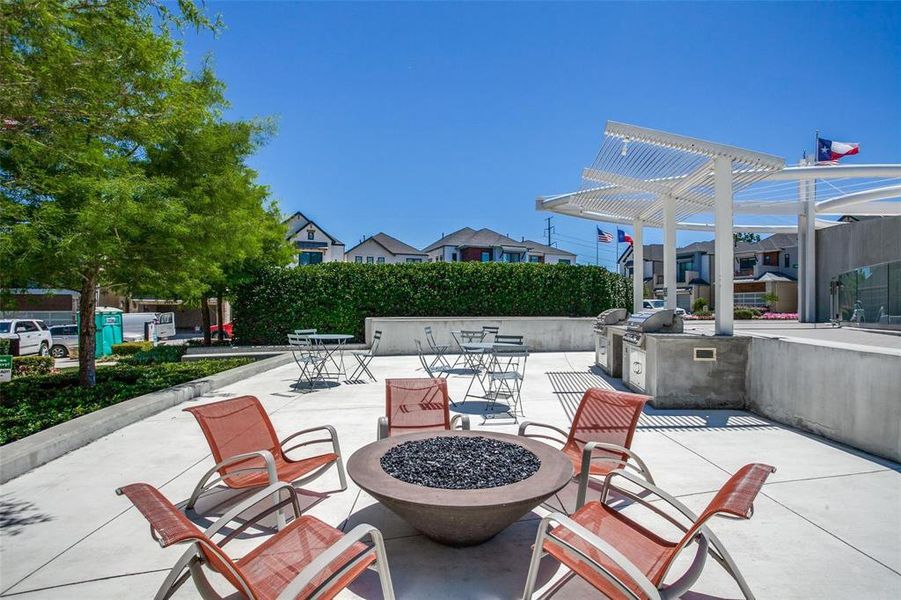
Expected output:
(845, 394)
(541, 334)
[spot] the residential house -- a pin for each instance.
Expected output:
(313, 244)
(485, 245)
(381, 248)
(761, 268)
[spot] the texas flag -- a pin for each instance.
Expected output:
(622, 237)
(829, 151)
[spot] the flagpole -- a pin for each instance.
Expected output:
(597, 245)
(816, 146)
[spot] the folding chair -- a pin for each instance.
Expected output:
(417, 404)
(505, 375)
(365, 357)
(600, 437)
(508, 339)
(489, 330)
(310, 361)
(623, 559)
(472, 359)
(439, 349)
(248, 452)
(427, 366)
(306, 559)
(305, 332)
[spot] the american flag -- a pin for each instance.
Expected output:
(604, 237)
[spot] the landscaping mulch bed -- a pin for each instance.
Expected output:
(460, 463)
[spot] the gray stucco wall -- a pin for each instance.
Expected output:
(852, 245)
(845, 394)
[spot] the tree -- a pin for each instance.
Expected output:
(88, 90)
(749, 238)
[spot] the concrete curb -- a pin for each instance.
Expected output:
(21, 456)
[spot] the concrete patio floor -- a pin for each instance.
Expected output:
(825, 525)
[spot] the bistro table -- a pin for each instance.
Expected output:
(330, 343)
(478, 350)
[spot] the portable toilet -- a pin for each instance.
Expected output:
(109, 330)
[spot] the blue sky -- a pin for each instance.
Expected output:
(418, 119)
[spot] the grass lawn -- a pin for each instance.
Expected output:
(33, 403)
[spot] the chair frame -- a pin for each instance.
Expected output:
(192, 560)
(471, 360)
(632, 461)
(364, 358)
(213, 476)
(429, 368)
(384, 424)
(501, 363)
(310, 361)
(439, 349)
(708, 544)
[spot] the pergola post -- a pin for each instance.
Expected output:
(669, 249)
(724, 246)
(810, 255)
(637, 266)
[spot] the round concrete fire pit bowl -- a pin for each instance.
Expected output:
(460, 517)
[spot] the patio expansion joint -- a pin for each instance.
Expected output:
(796, 513)
(73, 583)
(5, 591)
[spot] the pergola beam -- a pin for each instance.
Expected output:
(832, 204)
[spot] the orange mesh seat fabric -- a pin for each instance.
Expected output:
(603, 416)
(241, 425)
(650, 553)
(287, 471)
(170, 524)
(271, 567)
(417, 404)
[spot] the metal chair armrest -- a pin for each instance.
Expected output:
(590, 447)
(650, 487)
(357, 534)
(526, 424)
(265, 455)
(462, 419)
(333, 438)
(256, 498)
(634, 573)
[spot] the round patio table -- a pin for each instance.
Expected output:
(460, 517)
(331, 343)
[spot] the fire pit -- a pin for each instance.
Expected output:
(459, 487)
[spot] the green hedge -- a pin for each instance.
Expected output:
(31, 404)
(337, 297)
(156, 355)
(4, 346)
(129, 348)
(32, 365)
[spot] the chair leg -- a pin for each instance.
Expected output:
(381, 563)
(535, 561)
(177, 575)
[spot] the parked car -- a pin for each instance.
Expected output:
(28, 336)
(226, 329)
(654, 304)
(65, 341)
(133, 325)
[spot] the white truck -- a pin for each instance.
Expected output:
(133, 325)
(28, 336)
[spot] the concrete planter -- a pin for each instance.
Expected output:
(460, 517)
(21, 456)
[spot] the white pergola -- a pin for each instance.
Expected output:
(647, 178)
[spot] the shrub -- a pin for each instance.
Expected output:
(4, 346)
(129, 348)
(743, 313)
(31, 404)
(32, 365)
(771, 316)
(337, 297)
(156, 355)
(698, 305)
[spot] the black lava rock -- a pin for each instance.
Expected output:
(460, 463)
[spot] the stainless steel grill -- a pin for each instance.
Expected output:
(651, 321)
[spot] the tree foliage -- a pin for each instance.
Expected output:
(116, 167)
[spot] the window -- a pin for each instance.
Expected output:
(682, 267)
(771, 259)
(564, 261)
(746, 265)
(786, 260)
(486, 257)
(454, 257)
(358, 259)
(534, 259)
(311, 234)
(416, 260)
(309, 258)
(381, 260)
(369, 260)
(25, 326)
(511, 257)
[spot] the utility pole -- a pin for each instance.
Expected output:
(549, 230)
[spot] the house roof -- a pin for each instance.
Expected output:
(537, 247)
(468, 236)
(774, 242)
(302, 221)
(775, 276)
(390, 244)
